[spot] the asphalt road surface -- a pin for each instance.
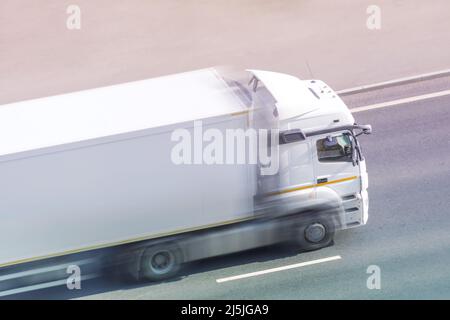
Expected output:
(120, 41)
(407, 236)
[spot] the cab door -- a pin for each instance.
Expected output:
(334, 166)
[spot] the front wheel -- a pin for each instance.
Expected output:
(314, 233)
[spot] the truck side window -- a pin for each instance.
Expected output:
(335, 148)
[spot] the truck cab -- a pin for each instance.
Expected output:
(323, 160)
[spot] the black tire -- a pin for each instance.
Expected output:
(314, 233)
(160, 262)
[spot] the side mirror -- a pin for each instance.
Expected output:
(366, 129)
(293, 135)
(353, 151)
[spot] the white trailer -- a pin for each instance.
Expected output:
(94, 169)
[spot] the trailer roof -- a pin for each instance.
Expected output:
(105, 111)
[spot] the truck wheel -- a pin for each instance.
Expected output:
(315, 234)
(160, 262)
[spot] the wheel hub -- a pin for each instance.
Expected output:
(315, 232)
(162, 262)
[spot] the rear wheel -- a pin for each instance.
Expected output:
(160, 262)
(314, 233)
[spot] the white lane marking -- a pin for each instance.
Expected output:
(395, 81)
(46, 269)
(41, 286)
(401, 101)
(291, 266)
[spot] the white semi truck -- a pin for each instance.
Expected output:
(106, 169)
